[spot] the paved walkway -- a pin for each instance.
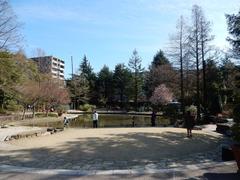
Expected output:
(222, 171)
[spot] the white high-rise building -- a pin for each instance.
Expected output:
(50, 64)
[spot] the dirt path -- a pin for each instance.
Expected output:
(109, 148)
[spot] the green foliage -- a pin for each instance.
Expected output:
(87, 107)
(160, 59)
(12, 105)
(61, 109)
(160, 72)
(233, 21)
(172, 111)
(122, 83)
(104, 85)
(87, 72)
(192, 109)
(85, 68)
(10, 72)
(213, 87)
(137, 72)
(78, 87)
(15, 71)
(2, 111)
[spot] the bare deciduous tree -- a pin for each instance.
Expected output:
(165, 74)
(179, 52)
(9, 27)
(199, 47)
(52, 94)
(205, 38)
(195, 49)
(28, 93)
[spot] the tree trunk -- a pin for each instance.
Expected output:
(121, 98)
(33, 115)
(204, 87)
(181, 70)
(204, 70)
(24, 111)
(47, 111)
(197, 66)
(3, 100)
(136, 93)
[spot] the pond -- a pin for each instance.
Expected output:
(107, 120)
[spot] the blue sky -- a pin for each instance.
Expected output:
(107, 31)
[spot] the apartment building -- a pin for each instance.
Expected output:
(52, 65)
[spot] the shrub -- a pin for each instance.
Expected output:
(61, 109)
(192, 109)
(87, 107)
(3, 111)
(172, 111)
(12, 105)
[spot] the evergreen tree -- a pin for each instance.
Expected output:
(86, 69)
(159, 59)
(122, 83)
(233, 21)
(160, 72)
(14, 70)
(87, 72)
(137, 71)
(213, 87)
(78, 87)
(104, 85)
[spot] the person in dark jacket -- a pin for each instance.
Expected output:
(153, 118)
(189, 123)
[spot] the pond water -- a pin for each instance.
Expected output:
(108, 120)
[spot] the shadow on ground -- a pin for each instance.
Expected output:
(164, 176)
(121, 151)
(222, 176)
(13, 176)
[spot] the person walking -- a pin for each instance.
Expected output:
(189, 123)
(65, 121)
(95, 119)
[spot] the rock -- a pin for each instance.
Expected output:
(4, 126)
(197, 128)
(46, 133)
(7, 138)
(224, 128)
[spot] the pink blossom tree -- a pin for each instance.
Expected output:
(161, 95)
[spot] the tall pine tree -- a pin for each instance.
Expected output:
(137, 71)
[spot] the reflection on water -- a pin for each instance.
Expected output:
(117, 121)
(85, 121)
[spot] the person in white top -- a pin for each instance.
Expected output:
(95, 119)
